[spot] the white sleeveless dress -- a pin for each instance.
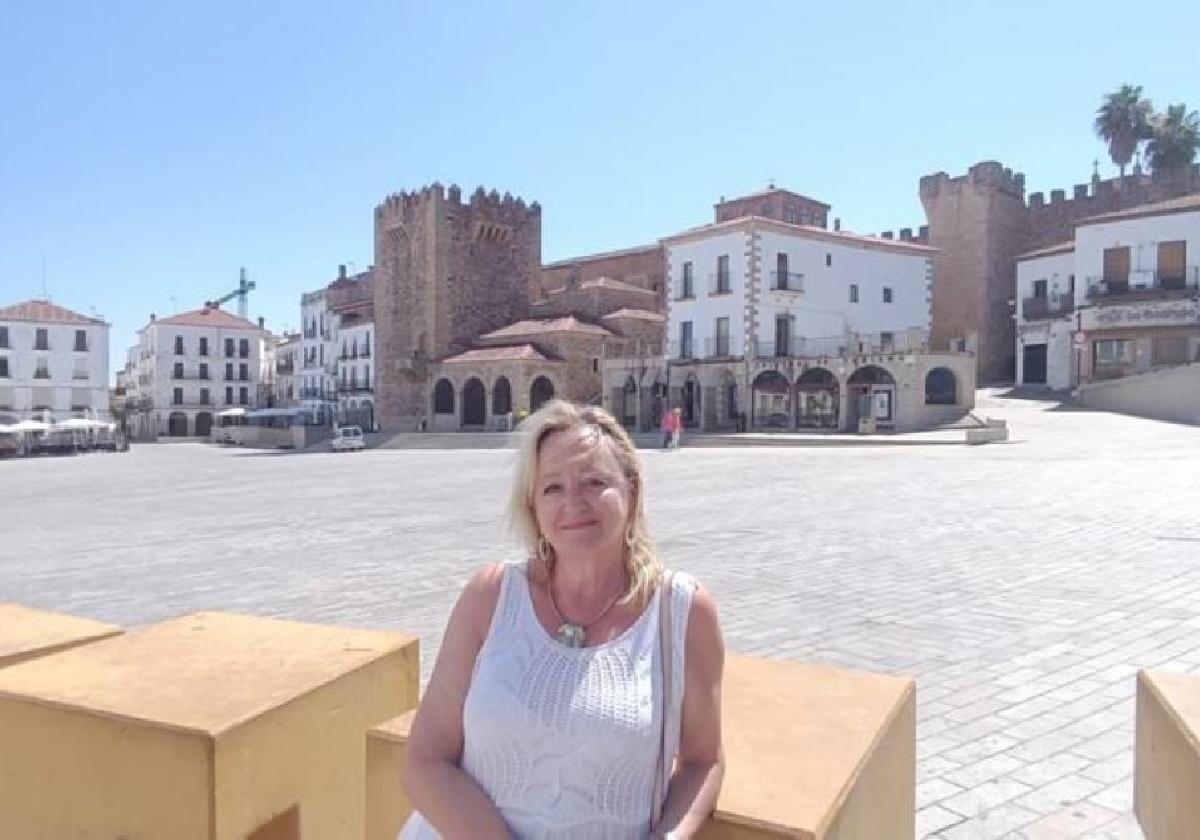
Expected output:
(563, 740)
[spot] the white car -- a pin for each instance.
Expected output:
(347, 439)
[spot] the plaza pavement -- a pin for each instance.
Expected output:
(1021, 584)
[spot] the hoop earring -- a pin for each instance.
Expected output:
(543, 550)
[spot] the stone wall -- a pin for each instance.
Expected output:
(643, 267)
(593, 302)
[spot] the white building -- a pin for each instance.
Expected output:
(191, 366)
(53, 363)
(1123, 298)
(351, 301)
(287, 365)
(779, 325)
(317, 375)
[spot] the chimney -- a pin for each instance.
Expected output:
(837, 224)
(260, 322)
(341, 272)
(151, 317)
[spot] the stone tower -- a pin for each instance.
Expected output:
(446, 271)
(977, 223)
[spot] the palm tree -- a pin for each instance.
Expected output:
(1123, 121)
(1175, 140)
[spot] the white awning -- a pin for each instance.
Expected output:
(232, 412)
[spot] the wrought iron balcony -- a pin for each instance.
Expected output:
(1043, 308)
(1146, 285)
(787, 281)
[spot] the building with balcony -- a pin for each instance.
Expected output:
(775, 325)
(316, 379)
(350, 300)
(287, 364)
(187, 368)
(1121, 298)
(53, 363)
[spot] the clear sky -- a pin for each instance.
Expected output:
(149, 149)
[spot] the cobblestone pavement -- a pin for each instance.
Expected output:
(1021, 584)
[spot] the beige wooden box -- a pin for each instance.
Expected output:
(1166, 790)
(212, 726)
(27, 633)
(811, 752)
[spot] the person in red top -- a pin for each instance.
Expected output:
(667, 427)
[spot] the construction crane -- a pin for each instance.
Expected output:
(241, 293)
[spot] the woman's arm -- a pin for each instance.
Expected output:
(446, 796)
(692, 794)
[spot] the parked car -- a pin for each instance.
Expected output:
(347, 439)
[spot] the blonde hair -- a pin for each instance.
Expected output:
(641, 558)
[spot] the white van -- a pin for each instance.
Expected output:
(347, 439)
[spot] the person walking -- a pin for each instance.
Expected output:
(667, 427)
(676, 427)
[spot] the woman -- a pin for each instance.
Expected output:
(545, 716)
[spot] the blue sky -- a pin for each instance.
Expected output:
(149, 149)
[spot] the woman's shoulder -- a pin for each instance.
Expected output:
(482, 592)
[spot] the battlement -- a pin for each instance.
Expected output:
(906, 235)
(988, 174)
(405, 205)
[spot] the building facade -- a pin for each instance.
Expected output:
(316, 379)
(287, 364)
(189, 367)
(772, 325)
(1121, 298)
(53, 363)
(351, 301)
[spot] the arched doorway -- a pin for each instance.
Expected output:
(501, 396)
(941, 387)
(203, 424)
(177, 424)
(443, 397)
(629, 403)
(367, 412)
(474, 404)
(872, 392)
(817, 394)
(690, 401)
(729, 402)
(540, 392)
(771, 400)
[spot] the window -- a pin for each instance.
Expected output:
(42, 371)
(244, 348)
(41, 340)
(204, 370)
(243, 372)
(4, 337)
(789, 213)
(1040, 289)
(178, 345)
(1172, 350)
(828, 259)
(854, 293)
(4, 374)
(79, 369)
(783, 335)
(941, 387)
(1112, 351)
(722, 286)
(721, 342)
(781, 271)
(595, 365)
(177, 396)
(1116, 266)
(80, 341)
(887, 294)
(204, 346)
(178, 374)
(243, 396)
(229, 370)
(1172, 261)
(229, 347)
(204, 400)
(228, 396)
(687, 287)
(685, 340)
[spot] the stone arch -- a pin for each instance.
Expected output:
(871, 375)
(817, 399)
(540, 392)
(443, 397)
(204, 424)
(177, 424)
(474, 403)
(689, 400)
(729, 399)
(771, 400)
(941, 387)
(872, 393)
(501, 396)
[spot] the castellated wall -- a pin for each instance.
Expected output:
(446, 270)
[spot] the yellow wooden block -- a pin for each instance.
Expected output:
(811, 752)
(1166, 790)
(27, 633)
(212, 726)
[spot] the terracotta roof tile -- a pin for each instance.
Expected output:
(637, 314)
(809, 231)
(549, 325)
(1049, 250)
(1182, 204)
(208, 317)
(519, 353)
(44, 310)
(603, 255)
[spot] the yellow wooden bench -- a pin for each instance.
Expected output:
(811, 752)
(208, 727)
(1166, 791)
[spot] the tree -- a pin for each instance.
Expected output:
(1123, 121)
(1175, 140)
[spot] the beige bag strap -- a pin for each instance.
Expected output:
(662, 771)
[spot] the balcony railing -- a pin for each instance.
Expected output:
(787, 281)
(717, 348)
(719, 283)
(1042, 308)
(355, 389)
(1146, 285)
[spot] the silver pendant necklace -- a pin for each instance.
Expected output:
(569, 633)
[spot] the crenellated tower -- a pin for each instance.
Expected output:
(446, 271)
